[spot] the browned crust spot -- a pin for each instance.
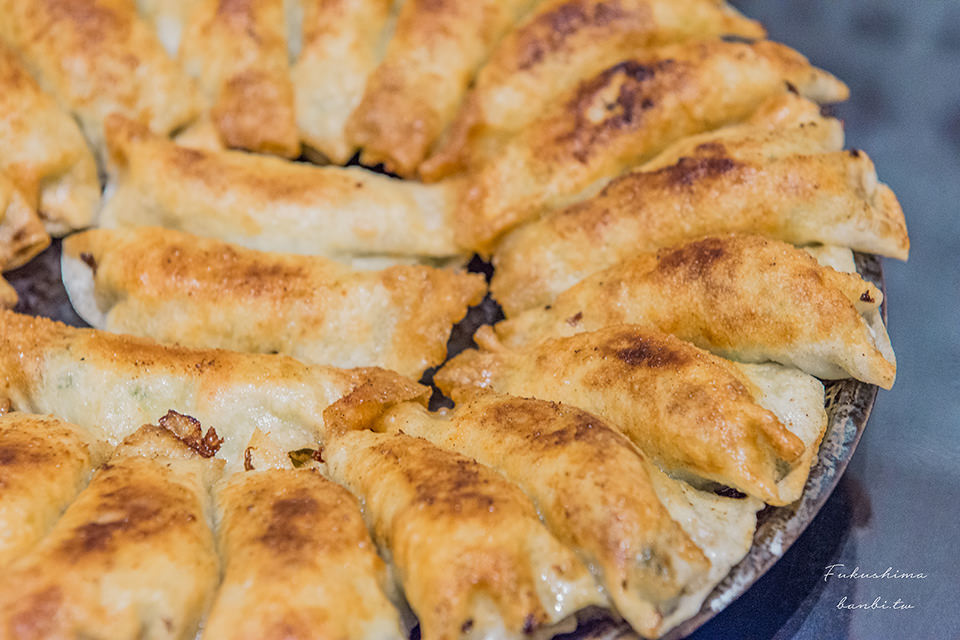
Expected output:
(550, 31)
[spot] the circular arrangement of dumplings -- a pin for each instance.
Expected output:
(238, 447)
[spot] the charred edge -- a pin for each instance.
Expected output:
(866, 297)
(189, 431)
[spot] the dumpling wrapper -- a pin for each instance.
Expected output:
(44, 152)
(791, 184)
(466, 545)
(722, 527)
(343, 42)
(589, 484)
(197, 292)
(557, 45)
(93, 378)
(98, 57)
(623, 116)
(238, 53)
(22, 234)
(169, 19)
(298, 560)
(691, 412)
(272, 204)
(743, 297)
(133, 557)
(414, 93)
(44, 463)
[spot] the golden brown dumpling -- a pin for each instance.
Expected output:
(178, 288)
(413, 95)
(44, 463)
(238, 51)
(98, 57)
(343, 41)
(623, 116)
(117, 382)
(558, 44)
(740, 296)
(22, 235)
(133, 557)
(589, 484)
(273, 204)
(693, 413)
(298, 562)
(748, 180)
(467, 546)
(44, 152)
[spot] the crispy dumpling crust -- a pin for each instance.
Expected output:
(132, 557)
(272, 204)
(468, 548)
(623, 116)
(44, 463)
(413, 95)
(44, 152)
(197, 292)
(690, 411)
(238, 51)
(740, 296)
(116, 63)
(588, 482)
(298, 562)
(119, 382)
(559, 43)
(749, 180)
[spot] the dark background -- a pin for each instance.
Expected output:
(898, 505)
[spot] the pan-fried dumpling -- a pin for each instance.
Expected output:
(98, 57)
(22, 235)
(623, 116)
(272, 204)
(238, 52)
(174, 287)
(93, 378)
(44, 152)
(560, 43)
(298, 562)
(133, 557)
(752, 184)
(343, 42)
(413, 95)
(44, 463)
(740, 296)
(590, 485)
(466, 545)
(693, 413)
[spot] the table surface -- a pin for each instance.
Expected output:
(896, 506)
